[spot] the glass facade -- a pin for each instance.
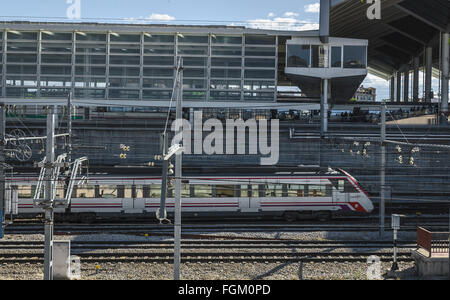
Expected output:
(137, 66)
(313, 56)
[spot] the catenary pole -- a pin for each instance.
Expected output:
(2, 168)
(383, 166)
(48, 203)
(178, 174)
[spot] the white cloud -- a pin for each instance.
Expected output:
(290, 14)
(151, 18)
(312, 8)
(271, 15)
(160, 17)
(286, 23)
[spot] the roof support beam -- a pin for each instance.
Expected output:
(406, 34)
(419, 17)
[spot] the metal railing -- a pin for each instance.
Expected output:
(432, 242)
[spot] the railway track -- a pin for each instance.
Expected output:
(195, 251)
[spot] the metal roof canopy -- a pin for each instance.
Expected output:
(406, 27)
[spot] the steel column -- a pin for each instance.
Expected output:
(392, 88)
(406, 86)
(416, 79)
(382, 168)
(399, 87)
(445, 76)
(428, 72)
(324, 109)
(2, 168)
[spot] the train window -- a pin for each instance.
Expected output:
(145, 191)
(108, 191)
(249, 191)
(274, 190)
(296, 190)
(341, 184)
(318, 191)
(203, 191)
(349, 188)
(128, 192)
(185, 191)
(224, 191)
(25, 191)
(84, 191)
(120, 191)
(59, 191)
(155, 191)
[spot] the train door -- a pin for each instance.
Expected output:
(339, 194)
(249, 198)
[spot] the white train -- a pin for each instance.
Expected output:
(290, 195)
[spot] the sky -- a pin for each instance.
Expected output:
(280, 14)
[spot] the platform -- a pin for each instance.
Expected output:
(428, 266)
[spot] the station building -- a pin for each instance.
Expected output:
(225, 67)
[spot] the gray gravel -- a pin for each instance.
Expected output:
(212, 271)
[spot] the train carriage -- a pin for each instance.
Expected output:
(290, 195)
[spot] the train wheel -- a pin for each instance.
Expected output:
(324, 216)
(290, 216)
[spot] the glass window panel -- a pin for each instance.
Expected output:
(260, 62)
(1, 35)
(155, 191)
(226, 51)
(131, 38)
(260, 40)
(124, 82)
(22, 47)
(21, 69)
(56, 81)
(336, 57)
(84, 191)
(274, 190)
(224, 191)
(317, 56)
(194, 61)
(125, 49)
(159, 49)
(91, 37)
(14, 35)
(194, 84)
(194, 95)
(21, 92)
(91, 59)
(226, 73)
(124, 60)
(194, 73)
(159, 60)
(87, 70)
(124, 71)
(317, 191)
(259, 96)
(25, 191)
(158, 72)
(56, 70)
(56, 47)
(91, 48)
(296, 190)
(89, 82)
(248, 191)
(21, 81)
(259, 85)
(54, 92)
(21, 58)
(298, 56)
(222, 95)
(203, 191)
(193, 39)
(56, 36)
(90, 94)
(223, 39)
(355, 57)
(123, 94)
(226, 62)
(225, 84)
(108, 191)
(158, 38)
(157, 95)
(260, 74)
(56, 59)
(260, 51)
(159, 83)
(192, 50)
